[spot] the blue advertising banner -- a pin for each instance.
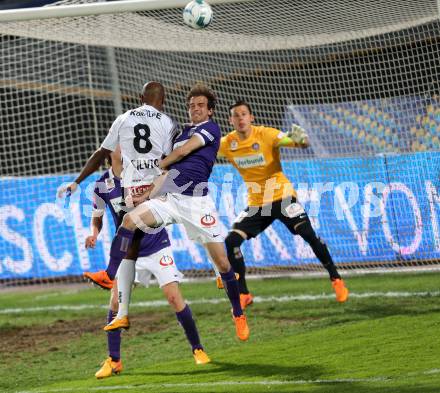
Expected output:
(382, 208)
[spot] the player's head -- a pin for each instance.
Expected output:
(153, 93)
(201, 103)
(240, 116)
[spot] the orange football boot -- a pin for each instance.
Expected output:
(340, 290)
(100, 278)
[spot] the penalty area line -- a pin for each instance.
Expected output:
(257, 299)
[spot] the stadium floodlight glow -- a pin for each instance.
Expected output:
(114, 7)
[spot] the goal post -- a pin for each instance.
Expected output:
(361, 77)
(94, 8)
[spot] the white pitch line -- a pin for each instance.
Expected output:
(257, 299)
(234, 383)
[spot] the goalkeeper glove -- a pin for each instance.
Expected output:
(297, 134)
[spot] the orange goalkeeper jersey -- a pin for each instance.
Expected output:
(257, 159)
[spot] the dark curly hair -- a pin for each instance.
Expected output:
(202, 90)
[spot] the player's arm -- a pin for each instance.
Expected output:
(296, 137)
(178, 154)
(95, 229)
(91, 166)
(97, 218)
(109, 144)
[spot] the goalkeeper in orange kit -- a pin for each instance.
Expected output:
(254, 152)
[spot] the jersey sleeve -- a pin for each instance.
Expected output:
(98, 202)
(208, 133)
(223, 147)
(272, 136)
(111, 141)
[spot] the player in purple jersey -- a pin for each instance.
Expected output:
(154, 257)
(187, 200)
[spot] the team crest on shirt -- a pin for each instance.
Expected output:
(233, 146)
(256, 146)
(166, 260)
(110, 183)
(208, 220)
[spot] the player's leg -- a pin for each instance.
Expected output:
(184, 317)
(218, 255)
(200, 219)
(125, 278)
(296, 220)
(113, 364)
(126, 275)
(104, 278)
(139, 218)
(162, 265)
(249, 223)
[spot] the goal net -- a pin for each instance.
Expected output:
(361, 77)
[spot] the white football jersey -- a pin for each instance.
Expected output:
(145, 136)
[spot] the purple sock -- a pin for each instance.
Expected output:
(120, 245)
(113, 340)
(232, 291)
(189, 325)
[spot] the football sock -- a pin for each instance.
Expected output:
(126, 273)
(185, 318)
(120, 244)
(319, 248)
(233, 242)
(231, 288)
(113, 340)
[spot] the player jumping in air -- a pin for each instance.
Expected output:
(154, 256)
(186, 198)
(254, 152)
(145, 135)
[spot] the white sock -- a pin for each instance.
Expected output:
(126, 272)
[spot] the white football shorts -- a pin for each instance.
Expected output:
(161, 264)
(197, 214)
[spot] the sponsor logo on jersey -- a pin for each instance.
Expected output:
(208, 220)
(166, 260)
(207, 134)
(250, 161)
(256, 146)
(139, 190)
(234, 145)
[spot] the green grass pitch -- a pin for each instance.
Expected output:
(385, 339)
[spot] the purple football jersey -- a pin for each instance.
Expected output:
(191, 174)
(108, 192)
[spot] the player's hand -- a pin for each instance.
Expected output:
(90, 241)
(298, 135)
(68, 190)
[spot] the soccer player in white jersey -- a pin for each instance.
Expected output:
(145, 135)
(187, 200)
